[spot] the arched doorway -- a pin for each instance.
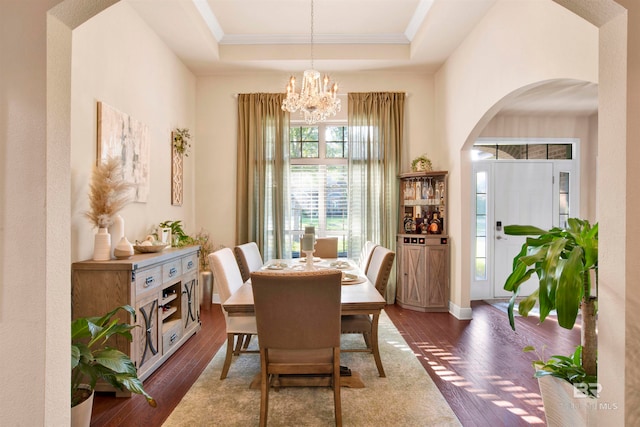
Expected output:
(529, 173)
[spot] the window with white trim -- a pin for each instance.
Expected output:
(318, 175)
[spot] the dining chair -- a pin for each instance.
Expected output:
(326, 247)
(298, 319)
(365, 255)
(248, 258)
(239, 328)
(378, 274)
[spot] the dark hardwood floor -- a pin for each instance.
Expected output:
(478, 365)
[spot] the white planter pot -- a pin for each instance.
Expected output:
(81, 413)
(564, 405)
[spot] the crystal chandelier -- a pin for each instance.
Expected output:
(317, 100)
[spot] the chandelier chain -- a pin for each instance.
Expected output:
(312, 16)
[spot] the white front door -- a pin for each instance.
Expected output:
(523, 196)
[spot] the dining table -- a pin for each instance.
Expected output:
(358, 296)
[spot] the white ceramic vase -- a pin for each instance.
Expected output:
(124, 249)
(102, 245)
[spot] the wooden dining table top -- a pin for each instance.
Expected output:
(356, 298)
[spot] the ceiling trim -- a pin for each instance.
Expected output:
(418, 18)
(209, 18)
(256, 39)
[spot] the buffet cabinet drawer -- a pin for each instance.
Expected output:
(148, 279)
(171, 271)
(171, 335)
(190, 263)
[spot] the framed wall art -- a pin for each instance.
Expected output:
(177, 161)
(123, 137)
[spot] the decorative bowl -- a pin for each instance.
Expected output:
(149, 248)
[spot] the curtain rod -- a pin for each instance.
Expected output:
(407, 94)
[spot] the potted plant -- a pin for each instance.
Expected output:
(178, 235)
(92, 359)
(181, 137)
(566, 264)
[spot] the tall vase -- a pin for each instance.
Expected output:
(102, 245)
(206, 287)
(117, 232)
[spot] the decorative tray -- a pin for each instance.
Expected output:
(149, 248)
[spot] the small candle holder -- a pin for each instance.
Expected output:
(309, 264)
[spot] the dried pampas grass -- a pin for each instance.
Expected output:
(108, 192)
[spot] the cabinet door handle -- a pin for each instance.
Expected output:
(172, 271)
(148, 281)
(190, 265)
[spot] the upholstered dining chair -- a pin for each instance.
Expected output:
(365, 255)
(378, 273)
(228, 280)
(248, 258)
(298, 319)
(326, 247)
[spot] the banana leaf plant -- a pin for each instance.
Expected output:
(566, 263)
(92, 359)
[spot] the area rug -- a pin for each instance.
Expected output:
(406, 397)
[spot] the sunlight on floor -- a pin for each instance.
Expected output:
(441, 362)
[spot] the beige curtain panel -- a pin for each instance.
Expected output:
(376, 131)
(263, 153)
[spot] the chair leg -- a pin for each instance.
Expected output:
(264, 389)
(247, 340)
(374, 346)
(367, 339)
(337, 402)
(238, 345)
(227, 358)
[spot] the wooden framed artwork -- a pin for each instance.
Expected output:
(177, 161)
(123, 137)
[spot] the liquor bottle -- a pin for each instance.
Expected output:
(435, 227)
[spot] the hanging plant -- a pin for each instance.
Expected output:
(181, 137)
(421, 164)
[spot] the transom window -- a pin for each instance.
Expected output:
(492, 151)
(318, 182)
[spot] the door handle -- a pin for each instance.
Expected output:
(501, 238)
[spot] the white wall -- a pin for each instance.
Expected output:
(217, 133)
(119, 60)
(517, 44)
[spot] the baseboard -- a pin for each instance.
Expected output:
(460, 313)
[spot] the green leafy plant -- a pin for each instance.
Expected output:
(181, 137)
(178, 235)
(566, 263)
(92, 359)
(568, 368)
